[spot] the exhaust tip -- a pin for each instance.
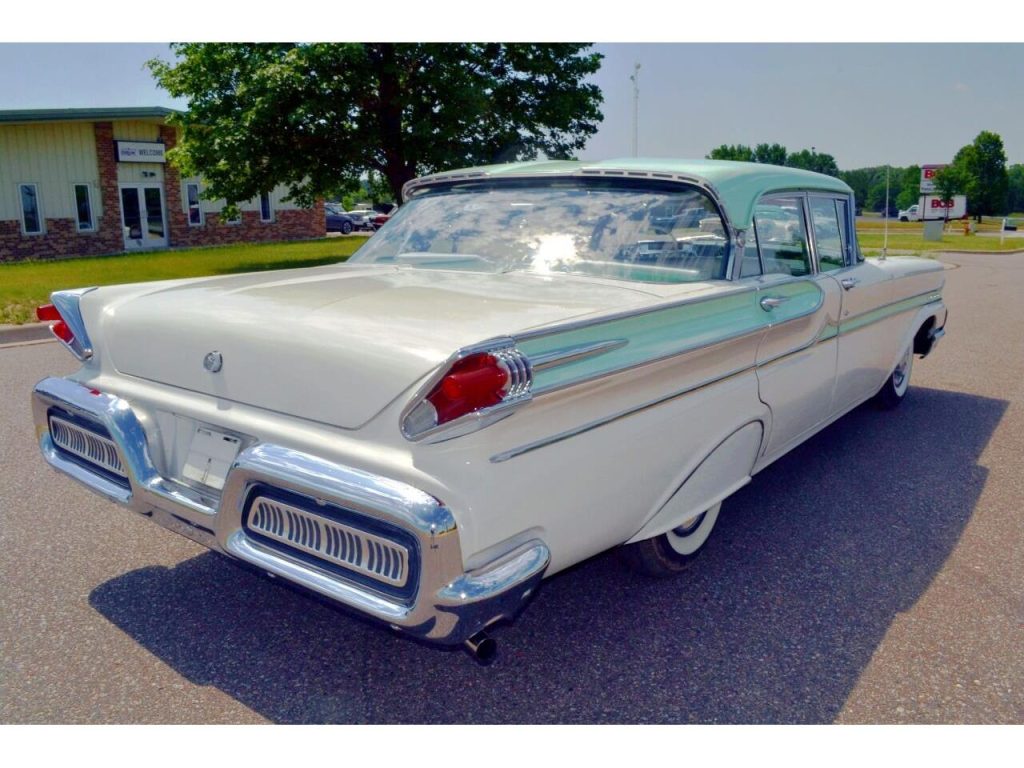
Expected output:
(482, 647)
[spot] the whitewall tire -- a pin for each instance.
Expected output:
(674, 551)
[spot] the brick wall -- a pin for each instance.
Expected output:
(287, 225)
(62, 239)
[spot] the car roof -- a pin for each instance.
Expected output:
(737, 185)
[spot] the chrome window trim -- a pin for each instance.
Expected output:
(845, 235)
(39, 210)
(199, 205)
(89, 201)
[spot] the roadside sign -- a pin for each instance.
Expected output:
(928, 178)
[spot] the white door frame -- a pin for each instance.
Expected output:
(142, 243)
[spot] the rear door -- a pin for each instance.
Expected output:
(867, 342)
(797, 357)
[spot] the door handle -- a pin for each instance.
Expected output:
(849, 282)
(768, 303)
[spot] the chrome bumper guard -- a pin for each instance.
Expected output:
(448, 605)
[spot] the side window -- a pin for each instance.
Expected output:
(751, 263)
(192, 202)
(31, 220)
(782, 236)
(828, 237)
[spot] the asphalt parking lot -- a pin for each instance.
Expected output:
(875, 574)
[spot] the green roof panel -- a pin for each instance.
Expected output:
(739, 185)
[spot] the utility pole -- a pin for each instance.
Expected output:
(885, 236)
(635, 77)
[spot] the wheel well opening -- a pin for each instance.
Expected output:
(922, 339)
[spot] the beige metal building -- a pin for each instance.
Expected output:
(77, 182)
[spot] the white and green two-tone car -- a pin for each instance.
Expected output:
(528, 365)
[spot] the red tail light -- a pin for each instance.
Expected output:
(475, 382)
(49, 313)
(488, 383)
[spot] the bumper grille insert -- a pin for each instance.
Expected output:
(329, 540)
(87, 445)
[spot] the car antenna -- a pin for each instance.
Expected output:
(885, 229)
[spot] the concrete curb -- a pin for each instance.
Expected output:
(15, 334)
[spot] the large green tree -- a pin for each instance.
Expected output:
(909, 190)
(311, 115)
(982, 165)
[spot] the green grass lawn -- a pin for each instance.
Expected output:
(26, 285)
(903, 241)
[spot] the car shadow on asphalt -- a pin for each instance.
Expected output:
(805, 573)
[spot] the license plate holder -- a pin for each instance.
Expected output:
(210, 455)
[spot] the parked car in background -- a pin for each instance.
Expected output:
(529, 365)
(364, 217)
(383, 218)
(338, 220)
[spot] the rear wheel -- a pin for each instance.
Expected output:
(895, 388)
(675, 551)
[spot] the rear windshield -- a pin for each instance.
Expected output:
(672, 233)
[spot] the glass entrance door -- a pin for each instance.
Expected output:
(142, 216)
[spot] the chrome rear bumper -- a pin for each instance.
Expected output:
(444, 603)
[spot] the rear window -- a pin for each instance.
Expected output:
(661, 233)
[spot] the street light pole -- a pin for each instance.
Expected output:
(635, 77)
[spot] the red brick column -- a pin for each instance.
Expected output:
(109, 235)
(177, 222)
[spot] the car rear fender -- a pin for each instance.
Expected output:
(723, 472)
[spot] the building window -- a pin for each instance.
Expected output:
(266, 211)
(195, 209)
(31, 219)
(83, 208)
(237, 218)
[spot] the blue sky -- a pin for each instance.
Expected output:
(866, 104)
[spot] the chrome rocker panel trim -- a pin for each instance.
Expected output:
(449, 606)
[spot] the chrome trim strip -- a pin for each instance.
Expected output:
(888, 310)
(572, 354)
(660, 359)
(559, 437)
(818, 339)
(689, 348)
(588, 322)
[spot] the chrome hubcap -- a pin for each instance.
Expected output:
(690, 525)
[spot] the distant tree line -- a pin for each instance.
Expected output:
(978, 170)
(776, 154)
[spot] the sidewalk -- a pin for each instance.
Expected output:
(19, 334)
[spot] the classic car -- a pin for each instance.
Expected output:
(531, 364)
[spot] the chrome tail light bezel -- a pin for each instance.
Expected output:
(67, 304)
(416, 425)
